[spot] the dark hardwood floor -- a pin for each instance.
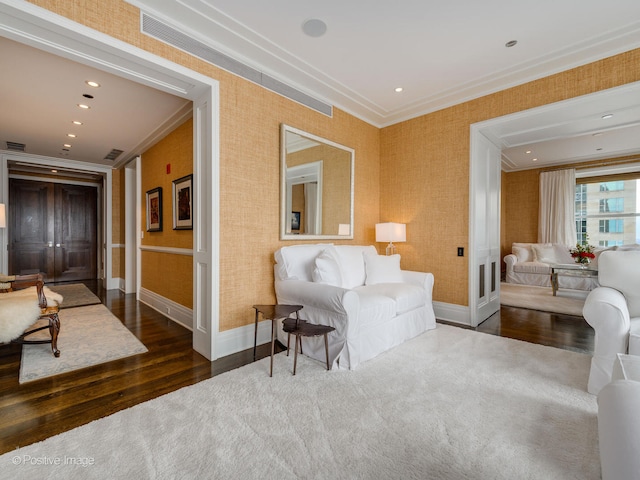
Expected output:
(37, 410)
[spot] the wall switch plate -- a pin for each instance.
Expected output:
(461, 251)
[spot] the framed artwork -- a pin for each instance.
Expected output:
(154, 210)
(295, 220)
(183, 203)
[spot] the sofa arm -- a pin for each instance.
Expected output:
(510, 260)
(423, 279)
(606, 311)
(316, 295)
(619, 430)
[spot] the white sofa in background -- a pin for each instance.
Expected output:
(530, 264)
(613, 310)
(371, 302)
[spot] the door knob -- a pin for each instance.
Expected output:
(57, 245)
(50, 244)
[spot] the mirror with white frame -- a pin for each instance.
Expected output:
(316, 196)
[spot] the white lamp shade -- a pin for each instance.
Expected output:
(3, 215)
(391, 232)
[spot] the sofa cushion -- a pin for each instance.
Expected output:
(351, 262)
(562, 254)
(297, 262)
(375, 308)
(544, 253)
(405, 296)
(523, 254)
(382, 269)
(532, 267)
(326, 269)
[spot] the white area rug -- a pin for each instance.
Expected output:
(569, 302)
(88, 336)
(449, 404)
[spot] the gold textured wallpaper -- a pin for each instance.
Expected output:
(416, 172)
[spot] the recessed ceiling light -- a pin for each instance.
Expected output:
(398, 89)
(314, 27)
(528, 151)
(83, 106)
(72, 135)
(607, 115)
(511, 43)
(54, 171)
(86, 95)
(76, 122)
(93, 84)
(66, 145)
(598, 149)
(534, 159)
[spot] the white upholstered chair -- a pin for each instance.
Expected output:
(613, 310)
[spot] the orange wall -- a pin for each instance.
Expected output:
(168, 275)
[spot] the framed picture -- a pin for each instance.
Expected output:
(295, 220)
(183, 203)
(154, 210)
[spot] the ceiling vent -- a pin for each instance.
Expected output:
(16, 147)
(113, 154)
(161, 31)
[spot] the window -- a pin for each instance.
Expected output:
(611, 226)
(611, 205)
(608, 212)
(611, 186)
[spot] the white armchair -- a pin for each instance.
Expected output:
(613, 310)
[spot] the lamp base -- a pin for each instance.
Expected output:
(391, 249)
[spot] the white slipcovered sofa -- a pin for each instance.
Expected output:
(371, 302)
(613, 310)
(530, 264)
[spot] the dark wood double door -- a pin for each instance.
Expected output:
(53, 230)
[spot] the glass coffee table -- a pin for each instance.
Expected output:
(570, 270)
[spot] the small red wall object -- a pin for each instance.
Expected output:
(168, 168)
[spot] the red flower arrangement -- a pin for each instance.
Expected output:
(583, 254)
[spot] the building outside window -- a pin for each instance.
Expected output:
(608, 212)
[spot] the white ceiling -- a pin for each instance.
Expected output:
(441, 53)
(41, 93)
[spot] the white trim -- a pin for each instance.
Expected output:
(241, 338)
(452, 313)
(170, 309)
(171, 250)
(104, 254)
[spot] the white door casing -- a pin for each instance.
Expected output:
(484, 237)
(40, 28)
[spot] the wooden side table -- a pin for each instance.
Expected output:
(302, 328)
(273, 313)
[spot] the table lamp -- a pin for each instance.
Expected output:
(391, 232)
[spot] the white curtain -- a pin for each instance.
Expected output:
(311, 208)
(556, 220)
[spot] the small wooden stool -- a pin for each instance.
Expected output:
(302, 328)
(273, 313)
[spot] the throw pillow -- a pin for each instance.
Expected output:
(544, 254)
(522, 253)
(382, 269)
(327, 270)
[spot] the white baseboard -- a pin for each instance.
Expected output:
(114, 283)
(176, 312)
(452, 313)
(241, 338)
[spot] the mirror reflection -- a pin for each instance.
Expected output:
(317, 187)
